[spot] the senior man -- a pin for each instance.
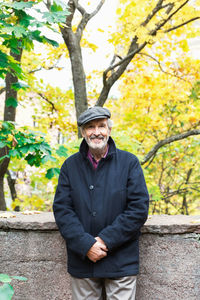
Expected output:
(100, 204)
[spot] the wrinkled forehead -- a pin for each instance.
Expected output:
(96, 122)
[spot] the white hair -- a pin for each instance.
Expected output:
(110, 123)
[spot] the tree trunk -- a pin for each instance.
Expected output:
(184, 209)
(78, 73)
(11, 184)
(9, 115)
(2, 199)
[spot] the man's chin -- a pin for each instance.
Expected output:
(97, 146)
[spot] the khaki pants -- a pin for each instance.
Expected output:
(123, 288)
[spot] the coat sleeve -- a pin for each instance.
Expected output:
(67, 220)
(127, 225)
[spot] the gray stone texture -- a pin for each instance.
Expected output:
(31, 246)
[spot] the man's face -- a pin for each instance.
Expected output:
(96, 133)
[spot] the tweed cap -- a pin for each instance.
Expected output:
(92, 113)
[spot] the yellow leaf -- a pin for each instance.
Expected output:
(100, 30)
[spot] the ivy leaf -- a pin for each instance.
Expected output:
(52, 172)
(6, 292)
(19, 278)
(5, 278)
(11, 102)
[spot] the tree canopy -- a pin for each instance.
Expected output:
(156, 109)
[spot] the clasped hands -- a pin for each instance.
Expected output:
(98, 250)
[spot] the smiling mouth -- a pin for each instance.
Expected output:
(96, 139)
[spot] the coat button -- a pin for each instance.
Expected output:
(91, 187)
(94, 213)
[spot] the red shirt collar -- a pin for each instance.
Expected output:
(93, 160)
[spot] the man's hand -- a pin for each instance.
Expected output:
(98, 239)
(97, 251)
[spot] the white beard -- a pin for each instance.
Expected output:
(100, 145)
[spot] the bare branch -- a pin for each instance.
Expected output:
(183, 24)
(97, 9)
(47, 100)
(48, 4)
(108, 82)
(85, 16)
(129, 56)
(153, 12)
(54, 66)
(71, 9)
(162, 23)
(79, 7)
(173, 193)
(169, 140)
(161, 68)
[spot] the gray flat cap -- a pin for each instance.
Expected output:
(92, 113)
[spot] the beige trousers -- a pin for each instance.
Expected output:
(123, 288)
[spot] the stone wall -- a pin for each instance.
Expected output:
(31, 246)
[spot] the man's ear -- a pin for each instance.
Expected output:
(110, 131)
(82, 132)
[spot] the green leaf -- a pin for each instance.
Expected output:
(2, 157)
(15, 153)
(47, 158)
(20, 278)
(45, 148)
(19, 85)
(62, 151)
(56, 17)
(19, 31)
(25, 149)
(52, 172)
(6, 292)
(11, 102)
(51, 42)
(61, 4)
(5, 278)
(8, 125)
(2, 144)
(21, 5)
(55, 7)
(33, 160)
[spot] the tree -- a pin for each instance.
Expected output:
(141, 27)
(160, 109)
(152, 19)
(18, 31)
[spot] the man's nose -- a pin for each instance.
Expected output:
(96, 131)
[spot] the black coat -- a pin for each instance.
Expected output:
(110, 202)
